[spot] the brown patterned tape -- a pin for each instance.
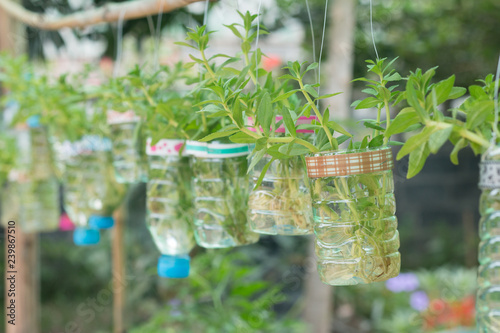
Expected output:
(349, 164)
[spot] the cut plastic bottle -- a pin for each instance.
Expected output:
(488, 293)
(170, 206)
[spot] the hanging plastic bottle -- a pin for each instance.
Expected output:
(354, 209)
(128, 147)
(488, 294)
(90, 192)
(170, 206)
(32, 195)
(281, 205)
(221, 188)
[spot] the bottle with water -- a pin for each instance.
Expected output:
(32, 195)
(169, 206)
(488, 294)
(127, 147)
(91, 193)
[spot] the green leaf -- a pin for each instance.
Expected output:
(263, 173)
(328, 96)
(218, 135)
(417, 160)
(293, 149)
(406, 118)
(457, 92)
(478, 112)
(364, 143)
(311, 91)
(443, 89)
(237, 113)
(289, 124)
(186, 44)
(242, 138)
(261, 143)
(255, 159)
(412, 98)
(395, 143)
(234, 30)
(343, 138)
(416, 141)
(274, 151)
(368, 103)
(373, 126)
(312, 66)
(477, 92)
(454, 153)
(285, 95)
(376, 141)
(337, 128)
(438, 139)
(265, 113)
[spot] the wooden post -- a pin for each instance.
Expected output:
(318, 301)
(27, 266)
(27, 288)
(118, 271)
(341, 57)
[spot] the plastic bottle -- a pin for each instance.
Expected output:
(281, 205)
(32, 195)
(129, 158)
(221, 188)
(170, 206)
(354, 209)
(488, 294)
(90, 192)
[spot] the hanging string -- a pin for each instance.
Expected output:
(119, 45)
(312, 36)
(371, 29)
(157, 40)
(257, 45)
(497, 79)
(205, 15)
(321, 49)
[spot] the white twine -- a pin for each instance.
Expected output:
(371, 28)
(497, 78)
(119, 42)
(257, 45)
(321, 49)
(205, 15)
(312, 36)
(158, 37)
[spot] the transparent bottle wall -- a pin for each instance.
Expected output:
(357, 240)
(129, 158)
(170, 204)
(281, 205)
(89, 187)
(221, 188)
(488, 293)
(33, 198)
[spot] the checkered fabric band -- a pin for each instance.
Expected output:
(349, 164)
(489, 174)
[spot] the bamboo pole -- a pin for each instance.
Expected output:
(110, 12)
(118, 250)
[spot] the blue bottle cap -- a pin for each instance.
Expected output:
(174, 267)
(84, 236)
(101, 222)
(33, 121)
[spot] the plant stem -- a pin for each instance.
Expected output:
(333, 142)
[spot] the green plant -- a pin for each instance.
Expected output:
(221, 295)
